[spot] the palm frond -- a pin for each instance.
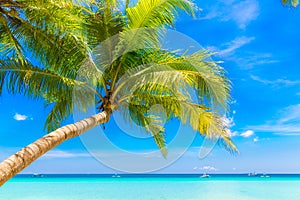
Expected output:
(146, 23)
(294, 3)
(170, 82)
(206, 78)
(159, 139)
(45, 29)
(147, 20)
(146, 97)
(150, 122)
(9, 45)
(20, 77)
(102, 23)
(207, 123)
(176, 105)
(61, 109)
(57, 30)
(156, 13)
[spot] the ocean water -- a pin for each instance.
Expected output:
(152, 187)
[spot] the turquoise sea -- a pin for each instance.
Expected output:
(154, 187)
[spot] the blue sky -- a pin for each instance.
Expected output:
(260, 45)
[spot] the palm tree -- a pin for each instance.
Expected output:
(294, 3)
(128, 81)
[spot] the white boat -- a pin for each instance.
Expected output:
(205, 176)
(252, 174)
(37, 175)
(116, 176)
(265, 176)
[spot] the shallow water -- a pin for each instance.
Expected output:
(154, 188)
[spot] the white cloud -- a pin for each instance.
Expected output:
(276, 83)
(208, 168)
(252, 59)
(229, 121)
(242, 13)
(256, 139)
(247, 133)
(233, 101)
(64, 154)
(248, 59)
(7, 151)
(231, 51)
(286, 122)
(20, 117)
(237, 43)
(234, 133)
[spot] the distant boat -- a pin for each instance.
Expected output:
(116, 176)
(265, 176)
(205, 176)
(37, 175)
(252, 174)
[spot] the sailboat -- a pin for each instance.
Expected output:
(205, 176)
(252, 174)
(265, 176)
(37, 175)
(116, 176)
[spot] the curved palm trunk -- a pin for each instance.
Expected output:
(20, 160)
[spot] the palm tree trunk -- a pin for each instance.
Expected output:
(20, 160)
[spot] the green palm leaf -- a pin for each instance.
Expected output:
(294, 3)
(156, 13)
(20, 77)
